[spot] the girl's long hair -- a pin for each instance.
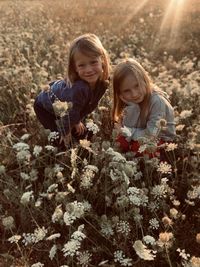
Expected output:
(88, 44)
(122, 70)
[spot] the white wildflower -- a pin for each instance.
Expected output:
(25, 137)
(8, 222)
(27, 197)
(123, 227)
(24, 176)
(160, 191)
(21, 146)
(149, 240)
(40, 234)
(52, 188)
(85, 144)
(91, 126)
(61, 108)
(74, 211)
(53, 136)
(28, 239)
(137, 196)
(88, 174)
(126, 132)
(84, 258)
(183, 254)
(50, 148)
(142, 148)
(120, 257)
(37, 150)
(2, 169)
(14, 238)
(38, 202)
(173, 213)
(33, 175)
(24, 156)
(180, 127)
(142, 251)
(38, 264)
(106, 228)
(185, 114)
(195, 261)
(171, 147)
(116, 156)
(57, 168)
(165, 239)
(73, 245)
(154, 223)
(164, 167)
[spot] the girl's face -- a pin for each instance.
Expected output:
(89, 68)
(130, 90)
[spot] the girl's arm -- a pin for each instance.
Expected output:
(80, 99)
(131, 115)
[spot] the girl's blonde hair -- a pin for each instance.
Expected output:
(122, 70)
(88, 44)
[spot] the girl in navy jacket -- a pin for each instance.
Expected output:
(88, 75)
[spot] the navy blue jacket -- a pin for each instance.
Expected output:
(84, 100)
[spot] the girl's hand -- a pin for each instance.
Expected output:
(65, 139)
(80, 128)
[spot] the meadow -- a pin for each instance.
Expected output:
(92, 205)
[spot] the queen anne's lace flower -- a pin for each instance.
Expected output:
(72, 246)
(37, 150)
(14, 238)
(91, 126)
(26, 197)
(164, 167)
(149, 240)
(154, 223)
(120, 257)
(84, 258)
(8, 222)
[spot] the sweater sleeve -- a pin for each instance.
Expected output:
(156, 112)
(131, 115)
(80, 97)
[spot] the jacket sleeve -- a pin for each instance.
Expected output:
(156, 112)
(45, 99)
(131, 115)
(80, 98)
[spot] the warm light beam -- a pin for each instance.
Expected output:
(172, 18)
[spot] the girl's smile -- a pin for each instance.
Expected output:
(89, 68)
(130, 90)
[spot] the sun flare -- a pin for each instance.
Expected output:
(172, 18)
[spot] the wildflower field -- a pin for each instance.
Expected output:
(92, 205)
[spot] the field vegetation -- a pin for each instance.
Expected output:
(92, 205)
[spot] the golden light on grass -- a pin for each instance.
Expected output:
(172, 18)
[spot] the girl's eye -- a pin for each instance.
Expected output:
(81, 65)
(94, 62)
(126, 91)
